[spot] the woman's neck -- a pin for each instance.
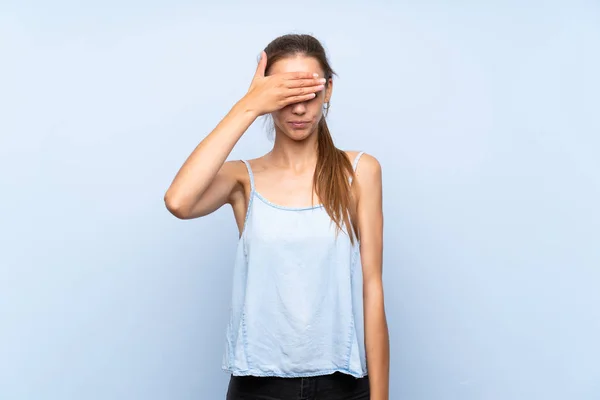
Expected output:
(292, 154)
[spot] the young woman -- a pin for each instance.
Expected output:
(307, 313)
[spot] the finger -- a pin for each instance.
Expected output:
(304, 91)
(297, 83)
(262, 65)
(299, 99)
(299, 75)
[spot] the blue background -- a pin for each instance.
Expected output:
(484, 118)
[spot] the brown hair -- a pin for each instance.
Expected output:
(331, 180)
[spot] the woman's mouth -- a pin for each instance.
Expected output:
(299, 124)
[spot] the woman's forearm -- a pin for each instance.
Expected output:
(376, 341)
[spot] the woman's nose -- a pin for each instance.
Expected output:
(299, 108)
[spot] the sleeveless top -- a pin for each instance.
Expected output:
(297, 302)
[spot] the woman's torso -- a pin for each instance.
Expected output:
(296, 307)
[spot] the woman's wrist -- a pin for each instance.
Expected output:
(246, 106)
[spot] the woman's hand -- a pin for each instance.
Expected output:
(271, 93)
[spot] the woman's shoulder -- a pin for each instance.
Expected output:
(235, 168)
(256, 164)
(363, 160)
(240, 169)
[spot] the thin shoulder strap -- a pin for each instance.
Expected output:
(250, 174)
(355, 163)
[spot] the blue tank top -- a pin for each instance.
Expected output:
(297, 302)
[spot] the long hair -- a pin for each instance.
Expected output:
(331, 181)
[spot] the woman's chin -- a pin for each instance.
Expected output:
(299, 135)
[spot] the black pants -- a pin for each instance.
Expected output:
(337, 386)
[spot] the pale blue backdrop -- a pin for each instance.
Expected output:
(485, 118)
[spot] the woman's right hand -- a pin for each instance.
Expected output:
(271, 93)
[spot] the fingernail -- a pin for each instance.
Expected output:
(316, 75)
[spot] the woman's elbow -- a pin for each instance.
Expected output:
(176, 206)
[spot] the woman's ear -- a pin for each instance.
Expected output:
(328, 90)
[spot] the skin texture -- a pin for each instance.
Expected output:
(206, 182)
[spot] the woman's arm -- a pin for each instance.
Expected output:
(370, 224)
(205, 181)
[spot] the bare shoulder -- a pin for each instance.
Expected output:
(258, 162)
(237, 170)
(234, 169)
(368, 167)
